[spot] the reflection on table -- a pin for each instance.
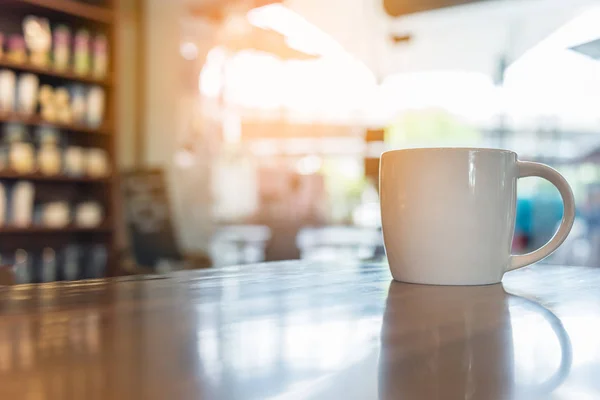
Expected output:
(302, 330)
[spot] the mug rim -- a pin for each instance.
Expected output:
(457, 149)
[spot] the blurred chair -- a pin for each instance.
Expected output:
(239, 244)
(152, 242)
(578, 249)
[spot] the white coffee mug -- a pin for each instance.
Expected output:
(448, 214)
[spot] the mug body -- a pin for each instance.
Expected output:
(448, 214)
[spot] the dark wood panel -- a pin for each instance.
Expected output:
(37, 177)
(38, 121)
(397, 8)
(74, 8)
(375, 135)
(217, 10)
(35, 230)
(46, 72)
(372, 168)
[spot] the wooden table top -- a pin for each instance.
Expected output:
(302, 330)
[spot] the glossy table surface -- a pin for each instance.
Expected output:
(303, 330)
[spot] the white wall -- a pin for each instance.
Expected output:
(162, 124)
(162, 83)
(126, 96)
(171, 99)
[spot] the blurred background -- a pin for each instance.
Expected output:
(211, 133)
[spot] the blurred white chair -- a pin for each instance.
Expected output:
(338, 243)
(239, 244)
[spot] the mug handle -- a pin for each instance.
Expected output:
(543, 171)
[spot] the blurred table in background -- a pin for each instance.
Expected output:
(302, 330)
(246, 244)
(339, 243)
(239, 244)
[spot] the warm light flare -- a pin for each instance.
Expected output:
(300, 34)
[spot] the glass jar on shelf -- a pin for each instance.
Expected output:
(49, 158)
(20, 149)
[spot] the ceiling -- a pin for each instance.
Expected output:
(590, 49)
(463, 35)
(470, 37)
(218, 9)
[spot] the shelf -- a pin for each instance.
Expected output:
(76, 9)
(9, 175)
(13, 230)
(98, 17)
(67, 75)
(37, 121)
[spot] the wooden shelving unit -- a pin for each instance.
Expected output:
(37, 121)
(9, 175)
(76, 9)
(38, 230)
(47, 72)
(97, 18)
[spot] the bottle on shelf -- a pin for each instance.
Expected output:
(22, 267)
(8, 84)
(61, 48)
(16, 49)
(81, 52)
(22, 204)
(74, 161)
(48, 267)
(100, 59)
(55, 106)
(95, 106)
(27, 94)
(71, 266)
(49, 154)
(21, 152)
(38, 38)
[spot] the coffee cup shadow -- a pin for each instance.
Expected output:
(441, 342)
